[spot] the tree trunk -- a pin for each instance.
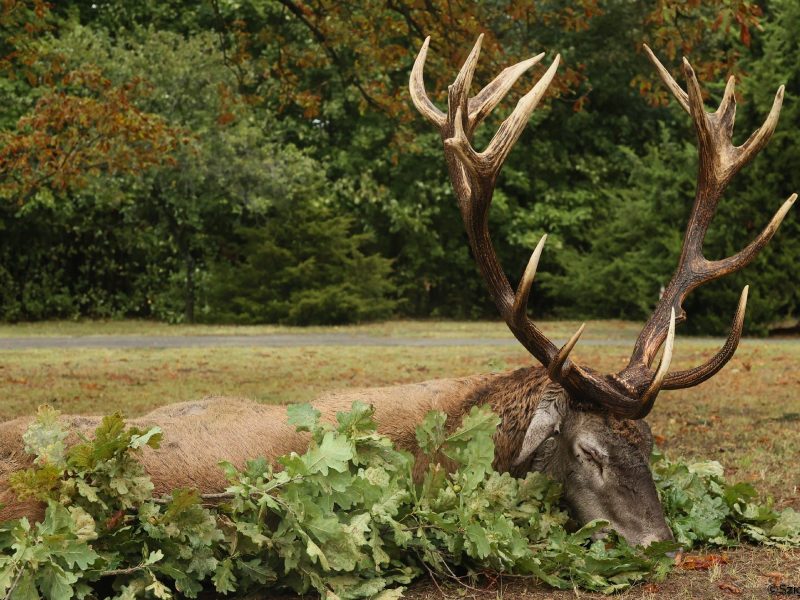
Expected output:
(190, 288)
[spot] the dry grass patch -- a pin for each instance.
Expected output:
(396, 328)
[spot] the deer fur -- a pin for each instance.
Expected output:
(198, 435)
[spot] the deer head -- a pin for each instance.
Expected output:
(588, 429)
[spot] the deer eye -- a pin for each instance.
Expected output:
(595, 455)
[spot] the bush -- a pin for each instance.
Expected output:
(302, 267)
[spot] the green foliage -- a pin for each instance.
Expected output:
(301, 265)
(343, 519)
(236, 212)
(703, 508)
(277, 101)
(635, 245)
(771, 178)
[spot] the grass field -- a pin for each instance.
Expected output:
(747, 417)
(415, 329)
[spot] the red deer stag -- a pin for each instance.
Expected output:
(583, 428)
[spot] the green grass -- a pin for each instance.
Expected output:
(747, 417)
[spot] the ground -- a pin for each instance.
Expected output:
(747, 417)
(748, 573)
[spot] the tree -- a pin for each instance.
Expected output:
(81, 124)
(296, 262)
(605, 168)
(224, 174)
(345, 94)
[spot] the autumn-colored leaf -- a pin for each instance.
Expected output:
(702, 562)
(89, 385)
(225, 118)
(744, 34)
(730, 588)
(67, 139)
(115, 519)
(775, 577)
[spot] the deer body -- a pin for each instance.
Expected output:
(198, 435)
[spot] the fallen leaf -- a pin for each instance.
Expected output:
(730, 588)
(123, 378)
(703, 562)
(774, 577)
(115, 519)
(652, 588)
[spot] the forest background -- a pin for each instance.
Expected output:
(251, 161)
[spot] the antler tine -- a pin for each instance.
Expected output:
(762, 135)
(727, 108)
(650, 395)
(691, 377)
(458, 92)
(666, 359)
(698, 111)
(512, 127)
(554, 369)
(416, 87)
(744, 257)
(484, 102)
(518, 310)
(681, 96)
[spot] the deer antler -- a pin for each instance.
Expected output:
(473, 175)
(720, 160)
(632, 392)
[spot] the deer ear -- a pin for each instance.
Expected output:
(546, 420)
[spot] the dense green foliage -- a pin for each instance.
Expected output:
(344, 518)
(259, 160)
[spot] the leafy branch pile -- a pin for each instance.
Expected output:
(344, 519)
(702, 508)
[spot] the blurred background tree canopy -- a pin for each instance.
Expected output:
(260, 160)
